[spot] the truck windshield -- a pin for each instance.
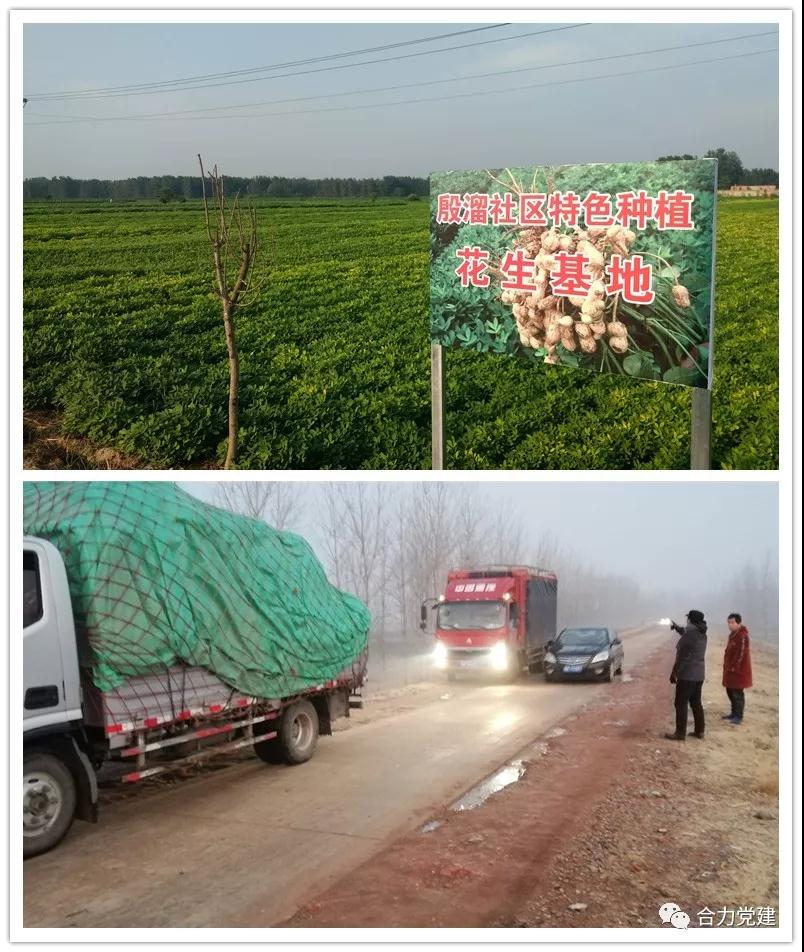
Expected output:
(583, 638)
(471, 615)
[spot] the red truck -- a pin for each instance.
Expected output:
(495, 618)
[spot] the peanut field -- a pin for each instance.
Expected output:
(124, 349)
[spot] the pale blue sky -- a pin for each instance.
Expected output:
(733, 103)
(667, 536)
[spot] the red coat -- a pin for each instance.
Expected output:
(737, 660)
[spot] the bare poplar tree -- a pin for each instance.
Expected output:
(232, 233)
(277, 503)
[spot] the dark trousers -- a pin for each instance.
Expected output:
(737, 698)
(689, 693)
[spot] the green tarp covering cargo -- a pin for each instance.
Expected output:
(158, 577)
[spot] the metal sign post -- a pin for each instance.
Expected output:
(701, 444)
(437, 403)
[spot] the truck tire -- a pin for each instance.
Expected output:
(49, 800)
(296, 738)
(268, 750)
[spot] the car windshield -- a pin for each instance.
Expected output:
(471, 615)
(583, 638)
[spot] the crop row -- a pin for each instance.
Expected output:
(123, 339)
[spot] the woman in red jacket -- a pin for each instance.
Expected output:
(737, 667)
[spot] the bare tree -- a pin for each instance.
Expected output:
(278, 503)
(232, 233)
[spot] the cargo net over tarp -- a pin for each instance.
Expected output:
(158, 577)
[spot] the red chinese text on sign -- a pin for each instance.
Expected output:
(570, 277)
(502, 209)
(472, 269)
(631, 278)
(564, 208)
(597, 210)
(635, 207)
(477, 208)
(674, 211)
(531, 210)
(519, 271)
(450, 209)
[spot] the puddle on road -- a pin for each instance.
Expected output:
(432, 825)
(491, 785)
(626, 678)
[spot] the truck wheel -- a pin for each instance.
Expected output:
(298, 733)
(48, 802)
(268, 751)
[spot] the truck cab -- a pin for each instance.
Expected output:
(58, 778)
(494, 618)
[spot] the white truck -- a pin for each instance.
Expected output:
(152, 723)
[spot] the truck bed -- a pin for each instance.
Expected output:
(179, 694)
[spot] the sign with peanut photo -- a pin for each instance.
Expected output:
(598, 267)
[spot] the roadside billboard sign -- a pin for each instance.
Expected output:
(605, 267)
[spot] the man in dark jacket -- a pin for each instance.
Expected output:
(688, 675)
(737, 667)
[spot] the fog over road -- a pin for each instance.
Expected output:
(248, 844)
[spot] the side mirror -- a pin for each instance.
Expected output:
(616, 641)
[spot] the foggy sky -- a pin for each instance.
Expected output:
(668, 536)
(733, 103)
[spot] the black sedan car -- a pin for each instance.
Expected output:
(584, 653)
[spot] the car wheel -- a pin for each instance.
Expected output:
(609, 675)
(48, 802)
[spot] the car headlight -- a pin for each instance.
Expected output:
(498, 656)
(440, 655)
(600, 656)
(549, 657)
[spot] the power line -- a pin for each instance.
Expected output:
(323, 69)
(358, 92)
(494, 92)
(259, 69)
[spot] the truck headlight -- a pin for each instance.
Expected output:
(440, 655)
(600, 656)
(549, 657)
(498, 656)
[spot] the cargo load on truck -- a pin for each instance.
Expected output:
(158, 578)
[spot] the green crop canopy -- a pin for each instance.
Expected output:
(158, 577)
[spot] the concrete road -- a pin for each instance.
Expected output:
(246, 845)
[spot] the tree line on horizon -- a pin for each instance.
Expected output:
(184, 187)
(167, 188)
(730, 169)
